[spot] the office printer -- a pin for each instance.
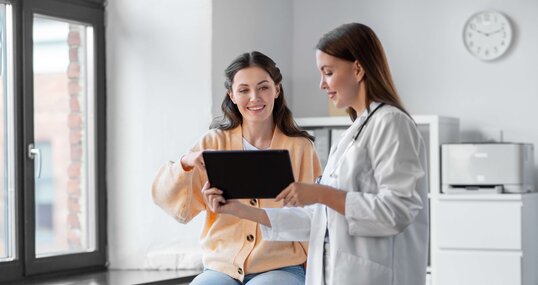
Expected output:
(487, 168)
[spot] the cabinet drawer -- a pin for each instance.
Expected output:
(472, 268)
(479, 225)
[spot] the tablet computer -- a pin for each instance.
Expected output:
(246, 174)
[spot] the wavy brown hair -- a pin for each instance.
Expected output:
(282, 116)
(357, 42)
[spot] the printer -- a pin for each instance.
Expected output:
(487, 168)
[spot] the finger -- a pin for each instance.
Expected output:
(289, 199)
(213, 191)
(283, 194)
(220, 199)
(216, 205)
(206, 186)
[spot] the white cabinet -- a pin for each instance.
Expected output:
(486, 239)
(435, 131)
(478, 267)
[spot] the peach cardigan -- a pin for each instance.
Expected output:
(231, 245)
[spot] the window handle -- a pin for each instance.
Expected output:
(35, 153)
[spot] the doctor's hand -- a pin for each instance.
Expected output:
(300, 194)
(217, 204)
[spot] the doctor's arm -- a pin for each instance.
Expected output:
(303, 194)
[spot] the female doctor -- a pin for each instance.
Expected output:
(366, 220)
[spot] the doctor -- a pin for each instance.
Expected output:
(366, 220)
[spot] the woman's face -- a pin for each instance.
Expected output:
(340, 79)
(254, 93)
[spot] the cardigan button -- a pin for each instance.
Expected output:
(250, 238)
(253, 202)
(240, 271)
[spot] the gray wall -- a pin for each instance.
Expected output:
(245, 25)
(432, 70)
(431, 67)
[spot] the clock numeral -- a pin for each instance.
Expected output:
(486, 52)
(495, 49)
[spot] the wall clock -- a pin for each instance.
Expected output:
(487, 35)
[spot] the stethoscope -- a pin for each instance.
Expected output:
(355, 137)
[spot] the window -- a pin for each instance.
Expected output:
(52, 167)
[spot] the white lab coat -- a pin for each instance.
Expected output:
(383, 237)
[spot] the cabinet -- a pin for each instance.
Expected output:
(486, 239)
(435, 131)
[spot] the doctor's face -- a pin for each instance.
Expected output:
(338, 79)
(254, 92)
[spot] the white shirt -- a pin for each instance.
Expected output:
(248, 146)
(383, 237)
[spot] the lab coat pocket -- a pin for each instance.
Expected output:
(352, 269)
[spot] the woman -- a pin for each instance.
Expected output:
(255, 117)
(368, 222)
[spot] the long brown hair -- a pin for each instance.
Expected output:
(282, 116)
(357, 42)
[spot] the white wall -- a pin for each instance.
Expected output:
(431, 67)
(158, 105)
(245, 25)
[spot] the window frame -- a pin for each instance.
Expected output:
(26, 264)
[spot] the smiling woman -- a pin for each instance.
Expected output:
(255, 116)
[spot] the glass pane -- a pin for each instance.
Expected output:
(64, 142)
(7, 210)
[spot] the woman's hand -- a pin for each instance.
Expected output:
(216, 203)
(192, 160)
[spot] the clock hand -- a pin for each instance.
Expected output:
(497, 31)
(483, 33)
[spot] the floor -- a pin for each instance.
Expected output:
(120, 277)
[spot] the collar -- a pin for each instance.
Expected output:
(373, 106)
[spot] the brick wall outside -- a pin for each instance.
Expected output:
(75, 126)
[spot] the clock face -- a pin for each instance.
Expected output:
(487, 35)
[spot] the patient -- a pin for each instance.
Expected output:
(255, 116)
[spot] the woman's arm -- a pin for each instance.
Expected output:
(278, 224)
(218, 204)
(177, 192)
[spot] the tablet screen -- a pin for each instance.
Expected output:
(247, 174)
